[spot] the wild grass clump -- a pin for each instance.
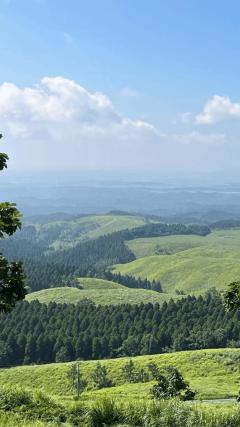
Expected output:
(32, 406)
(105, 413)
(164, 413)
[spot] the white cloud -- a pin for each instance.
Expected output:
(58, 125)
(58, 116)
(218, 108)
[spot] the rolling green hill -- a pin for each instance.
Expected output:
(65, 234)
(192, 271)
(212, 373)
(194, 264)
(98, 291)
(219, 239)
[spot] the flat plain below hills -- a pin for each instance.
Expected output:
(191, 264)
(100, 292)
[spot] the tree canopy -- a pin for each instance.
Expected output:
(12, 288)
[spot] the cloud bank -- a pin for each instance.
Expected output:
(58, 116)
(58, 125)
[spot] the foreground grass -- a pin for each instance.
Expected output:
(213, 374)
(21, 408)
(16, 420)
(99, 291)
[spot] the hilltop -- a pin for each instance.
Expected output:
(98, 291)
(191, 264)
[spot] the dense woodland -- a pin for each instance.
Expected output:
(132, 282)
(39, 333)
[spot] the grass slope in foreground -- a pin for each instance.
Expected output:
(212, 373)
(101, 292)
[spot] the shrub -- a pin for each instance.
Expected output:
(172, 385)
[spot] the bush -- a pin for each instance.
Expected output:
(171, 385)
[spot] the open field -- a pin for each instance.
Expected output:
(98, 291)
(214, 374)
(195, 264)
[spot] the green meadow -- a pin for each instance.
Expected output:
(100, 292)
(193, 264)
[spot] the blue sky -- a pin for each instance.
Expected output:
(155, 61)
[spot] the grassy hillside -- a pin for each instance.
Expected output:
(69, 233)
(212, 373)
(219, 239)
(99, 291)
(193, 264)
(192, 271)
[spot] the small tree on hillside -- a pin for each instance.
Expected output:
(171, 385)
(12, 287)
(128, 372)
(100, 377)
(77, 382)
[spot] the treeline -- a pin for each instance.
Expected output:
(226, 224)
(133, 282)
(39, 333)
(159, 229)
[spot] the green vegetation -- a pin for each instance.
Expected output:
(12, 420)
(12, 287)
(212, 261)
(211, 373)
(45, 333)
(171, 384)
(218, 239)
(28, 409)
(98, 291)
(66, 234)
